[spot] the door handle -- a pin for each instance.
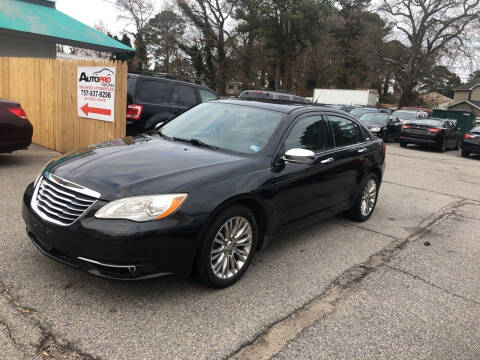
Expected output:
(362, 150)
(326, 161)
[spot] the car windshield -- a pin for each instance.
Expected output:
(427, 122)
(406, 115)
(226, 126)
(376, 118)
(360, 111)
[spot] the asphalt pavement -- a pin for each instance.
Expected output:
(337, 289)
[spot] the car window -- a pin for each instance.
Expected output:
(154, 90)
(184, 96)
(206, 95)
(345, 132)
(237, 128)
(308, 133)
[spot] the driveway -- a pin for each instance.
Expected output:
(336, 289)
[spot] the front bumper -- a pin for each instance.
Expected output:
(117, 249)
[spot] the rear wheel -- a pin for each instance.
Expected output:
(457, 145)
(365, 204)
(227, 248)
(403, 144)
(465, 153)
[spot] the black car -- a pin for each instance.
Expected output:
(15, 130)
(383, 125)
(471, 142)
(359, 111)
(273, 95)
(215, 184)
(155, 99)
(441, 134)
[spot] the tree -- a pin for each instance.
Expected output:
(431, 29)
(210, 18)
(474, 75)
(288, 27)
(124, 55)
(137, 13)
(163, 33)
(441, 80)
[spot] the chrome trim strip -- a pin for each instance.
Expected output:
(72, 186)
(131, 268)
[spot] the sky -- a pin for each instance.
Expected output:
(91, 12)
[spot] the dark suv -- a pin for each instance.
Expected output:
(154, 99)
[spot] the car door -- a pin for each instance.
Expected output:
(393, 127)
(452, 133)
(352, 151)
(183, 98)
(303, 190)
(154, 96)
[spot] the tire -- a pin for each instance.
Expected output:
(217, 252)
(357, 212)
(465, 153)
(443, 145)
(403, 144)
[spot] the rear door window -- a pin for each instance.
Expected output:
(308, 133)
(184, 96)
(345, 131)
(154, 91)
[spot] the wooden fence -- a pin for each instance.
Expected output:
(47, 91)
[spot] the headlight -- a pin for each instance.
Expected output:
(375, 129)
(142, 208)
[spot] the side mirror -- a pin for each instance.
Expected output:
(299, 156)
(158, 125)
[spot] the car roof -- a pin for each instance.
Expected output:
(280, 106)
(183, 82)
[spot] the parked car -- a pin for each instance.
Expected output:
(383, 125)
(346, 108)
(15, 129)
(409, 115)
(359, 111)
(273, 95)
(212, 187)
(471, 142)
(441, 134)
(154, 99)
(418, 108)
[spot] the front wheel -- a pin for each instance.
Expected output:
(227, 248)
(465, 153)
(365, 204)
(403, 144)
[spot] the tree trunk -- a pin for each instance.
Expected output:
(288, 82)
(277, 73)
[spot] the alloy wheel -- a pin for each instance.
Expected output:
(231, 247)
(369, 196)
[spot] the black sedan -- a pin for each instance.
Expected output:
(432, 132)
(471, 142)
(382, 125)
(15, 129)
(214, 185)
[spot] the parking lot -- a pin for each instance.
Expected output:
(402, 285)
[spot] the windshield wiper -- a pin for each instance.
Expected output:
(196, 142)
(159, 132)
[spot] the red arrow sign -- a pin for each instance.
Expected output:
(86, 109)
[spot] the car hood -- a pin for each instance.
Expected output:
(141, 165)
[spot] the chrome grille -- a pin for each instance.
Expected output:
(60, 201)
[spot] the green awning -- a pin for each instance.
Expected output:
(46, 22)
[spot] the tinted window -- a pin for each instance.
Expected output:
(154, 90)
(308, 133)
(360, 111)
(131, 81)
(345, 132)
(377, 118)
(184, 96)
(206, 95)
(231, 127)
